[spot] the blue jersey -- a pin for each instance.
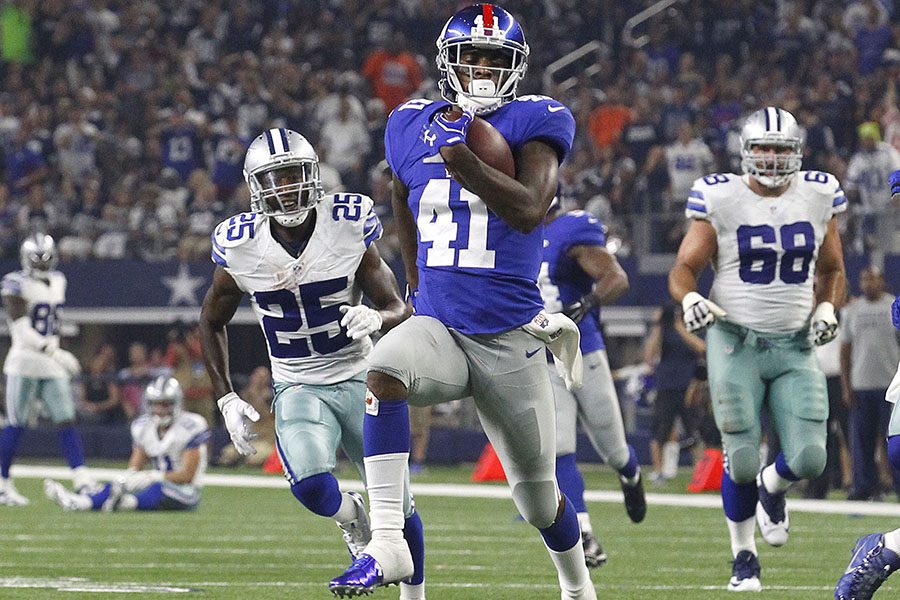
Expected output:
(476, 273)
(563, 281)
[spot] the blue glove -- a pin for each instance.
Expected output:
(895, 312)
(443, 132)
(894, 180)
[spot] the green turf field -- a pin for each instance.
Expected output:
(259, 543)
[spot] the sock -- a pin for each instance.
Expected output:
(742, 535)
(584, 522)
(671, 455)
(319, 493)
(412, 591)
(347, 510)
(81, 478)
(9, 439)
(570, 481)
(414, 535)
(893, 451)
(563, 533)
(632, 470)
(386, 450)
(778, 476)
(70, 444)
(563, 539)
(98, 498)
(738, 499)
(892, 540)
(150, 497)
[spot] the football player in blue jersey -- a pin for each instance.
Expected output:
(471, 246)
(770, 233)
(877, 555)
(306, 258)
(172, 440)
(578, 275)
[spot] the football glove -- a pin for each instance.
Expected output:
(894, 180)
(700, 312)
(443, 132)
(66, 360)
(824, 323)
(233, 412)
(360, 321)
(135, 481)
(895, 312)
(580, 308)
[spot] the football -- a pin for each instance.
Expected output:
(488, 144)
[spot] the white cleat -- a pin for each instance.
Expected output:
(393, 557)
(10, 496)
(357, 533)
(745, 573)
(772, 515)
(57, 493)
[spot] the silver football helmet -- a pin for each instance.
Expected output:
(38, 254)
(163, 399)
(773, 127)
(282, 171)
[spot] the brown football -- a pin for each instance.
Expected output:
(488, 144)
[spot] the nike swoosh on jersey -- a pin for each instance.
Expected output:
(556, 108)
(532, 353)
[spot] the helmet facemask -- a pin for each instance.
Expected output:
(481, 95)
(286, 192)
(164, 411)
(163, 399)
(38, 255)
(772, 168)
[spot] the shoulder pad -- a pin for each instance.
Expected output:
(11, 285)
(236, 230)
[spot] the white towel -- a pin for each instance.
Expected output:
(561, 335)
(893, 392)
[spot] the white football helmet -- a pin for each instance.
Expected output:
(38, 254)
(163, 399)
(282, 171)
(777, 127)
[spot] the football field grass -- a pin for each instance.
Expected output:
(255, 542)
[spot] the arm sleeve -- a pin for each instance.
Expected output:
(696, 207)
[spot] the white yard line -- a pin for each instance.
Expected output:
(447, 490)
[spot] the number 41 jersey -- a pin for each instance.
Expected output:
(476, 273)
(297, 300)
(767, 247)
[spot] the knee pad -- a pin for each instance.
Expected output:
(894, 451)
(319, 493)
(537, 501)
(809, 463)
(742, 463)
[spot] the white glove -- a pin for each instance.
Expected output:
(699, 312)
(66, 360)
(561, 335)
(360, 320)
(824, 323)
(233, 412)
(135, 481)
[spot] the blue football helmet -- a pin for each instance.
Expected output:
(481, 27)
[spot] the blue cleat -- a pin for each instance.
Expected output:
(871, 564)
(745, 573)
(360, 579)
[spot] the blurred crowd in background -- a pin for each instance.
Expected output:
(123, 124)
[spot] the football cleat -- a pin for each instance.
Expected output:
(594, 556)
(871, 564)
(111, 504)
(635, 501)
(57, 493)
(366, 573)
(745, 573)
(10, 496)
(356, 532)
(771, 515)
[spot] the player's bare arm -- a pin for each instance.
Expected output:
(190, 460)
(831, 279)
(406, 231)
(219, 306)
(610, 279)
(521, 202)
(15, 307)
(696, 251)
(138, 459)
(379, 284)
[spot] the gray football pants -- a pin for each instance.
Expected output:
(596, 406)
(506, 374)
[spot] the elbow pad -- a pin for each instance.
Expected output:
(23, 333)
